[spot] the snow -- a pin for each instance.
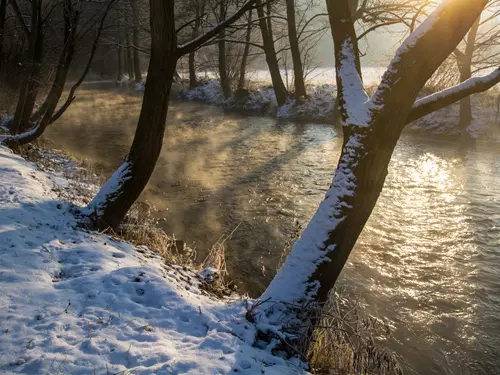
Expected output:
(110, 189)
(78, 302)
(291, 286)
(356, 100)
(406, 46)
(468, 84)
(18, 137)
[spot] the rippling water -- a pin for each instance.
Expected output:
(427, 260)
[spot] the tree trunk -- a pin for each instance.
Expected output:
(119, 72)
(137, 43)
(43, 116)
(300, 87)
(465, 103)
(246, 52)
(117, 195)
(29, 87)
(63, 66)
(223, 75)
(130, 58)
(465, 68)
(3, 12)
(372, 127)
(200, 9)
(271, 59)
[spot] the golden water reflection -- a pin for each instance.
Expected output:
(427, 260)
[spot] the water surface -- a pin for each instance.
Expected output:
(427, 261)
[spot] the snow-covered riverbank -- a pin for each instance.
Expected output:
(80, 302)
(319, 107)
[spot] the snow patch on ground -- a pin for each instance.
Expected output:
(79, 302)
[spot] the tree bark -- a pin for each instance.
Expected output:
(136, 41)
(200, 9)
(117, 195)
(3, 13)
(129, 53)
(63, 66)
(300, 87)
(246, 52)
(225, 82)
(119, 73)
(271, 59)
(43, 116)
(29, 87)
(372, 127)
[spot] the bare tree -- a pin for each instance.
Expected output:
(112, 202)
(246, 52)
(222, 62)
(199, 6)
(136, 41)
(266, 29)
(478, 51)
(29, 87)
(371, 127)
(300, 87)
(46, 113)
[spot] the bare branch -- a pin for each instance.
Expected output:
(434, 102)
(198, 42)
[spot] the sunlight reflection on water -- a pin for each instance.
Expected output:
(427, 260)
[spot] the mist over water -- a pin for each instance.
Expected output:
(427, 260)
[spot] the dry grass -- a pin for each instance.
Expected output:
(141, 228)
(344, 341)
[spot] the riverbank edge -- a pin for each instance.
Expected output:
(89, 301)
(259, 100)
(66, 173)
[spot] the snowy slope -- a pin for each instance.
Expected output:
(77, 302)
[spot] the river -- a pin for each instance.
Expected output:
(427, 261)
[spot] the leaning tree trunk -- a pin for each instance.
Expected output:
(372, 127)
(246, 52)
(223, 76)
(298, 72)
(110, 205)
(34, 82)
(271, 59)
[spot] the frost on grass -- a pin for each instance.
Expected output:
(292, 285)
(78, 302)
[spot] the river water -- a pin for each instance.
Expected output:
(428, 260)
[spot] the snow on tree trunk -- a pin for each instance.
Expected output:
(371, 127)
(117, 195)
